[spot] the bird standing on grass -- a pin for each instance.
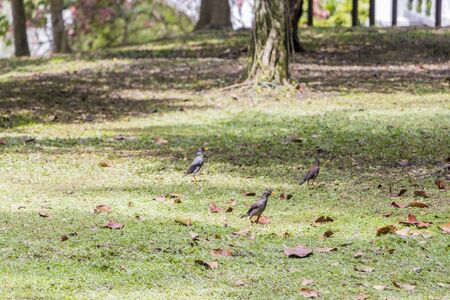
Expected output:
(259, 206)
(312, 173)
(197, 164)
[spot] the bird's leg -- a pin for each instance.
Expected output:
(257, 219)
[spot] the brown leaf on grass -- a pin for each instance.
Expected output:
(243, 232)
(364, 269)
(327, 234)
(3, 142)
(300, 251)
(388, 214)
(445, 228)
(322, 219)
(361, 297)
(358, 254)
(232, 202)
(398, 205)
(401, 192)
(325, 249)
(113, 225)
(386, 229)
(307, 281)
(405, 286)
(403, 163)
(379, 287)
(239, 282)
(43, 214)
(249, 194)
(64, 238)
(160, 198)
(120, 137)
(229, 209)
(184, 222)
(263, 220)
(412, 220)
(160, 141)
(421, 194)
(308, 293)
(222, 252)
(212, 265)
(284, 196)
(213, 208)
(418, 204)
(102, 208)
(440, 184)
(194, 236)
(104, 164)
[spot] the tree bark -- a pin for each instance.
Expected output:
(296, 14)
(60, 42)
(271, 42)
(214, 14)
(19, 28)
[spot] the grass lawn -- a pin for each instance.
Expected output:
(119, 128)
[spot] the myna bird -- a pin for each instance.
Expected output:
(312, 173)
(259, 206)
(197, 163)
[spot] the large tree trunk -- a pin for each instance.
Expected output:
(19, 28)
(60, 43)
(214, 14)
(296, 14)
(271, 42)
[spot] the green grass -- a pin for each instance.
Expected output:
(360, 115)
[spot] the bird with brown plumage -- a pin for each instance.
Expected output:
(312, 173)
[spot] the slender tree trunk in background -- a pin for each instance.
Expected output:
(214, 14)
(271, 42)
(19, 28)
(60, 42)
(296, 14)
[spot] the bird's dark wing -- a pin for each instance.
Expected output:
(195, 166)
(312, 172)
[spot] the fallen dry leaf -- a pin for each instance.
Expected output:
(440, 184)
(361, 297)
(284, 196)
(324, 249)
(213, 208)
(184, 222)
(358, 254)
(398, 205)
(386, 229)
(222, 252)
(249, 194)
(364, 269)
(43, 214)
(445, 228)
(229, 209)
(2, 142)
(119, 137)
(418, 204)
(243, 232)
(405, 286)
(113, 225)
(102, 208)
(210, 265)
(299, 251)
(400, 193)
(308, 293)
(421, 194)
(379, 287)
(307, 281)
(388, 214)
(64, 238)
(403, 163)
(160, 141)
(263, 220)
(160, 198)
(239, 283)
(104, 164)
(327, 234)
(322, 219)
